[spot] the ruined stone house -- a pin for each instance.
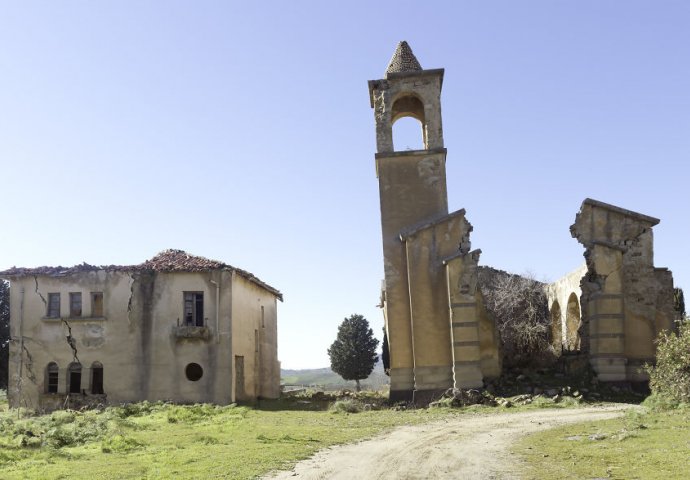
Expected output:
(176, 327)
(438, 332)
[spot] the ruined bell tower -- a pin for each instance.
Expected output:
(430, 309)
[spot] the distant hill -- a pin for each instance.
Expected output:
(328, 380)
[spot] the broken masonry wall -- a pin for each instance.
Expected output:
(626, 302)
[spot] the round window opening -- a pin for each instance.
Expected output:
(194, 372)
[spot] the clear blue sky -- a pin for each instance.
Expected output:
(242, 131)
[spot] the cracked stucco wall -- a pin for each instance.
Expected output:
(135, 340)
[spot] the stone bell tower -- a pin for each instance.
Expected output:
(430, 273)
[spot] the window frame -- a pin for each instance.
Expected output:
(193, 308)
(53, 306)
(52, 378)
(74, 298)
(97, 313)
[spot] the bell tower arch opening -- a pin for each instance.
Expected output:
(408, 122)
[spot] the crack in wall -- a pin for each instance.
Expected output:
(129, 303)
(39, 293)
(71, 341)
(29, 365)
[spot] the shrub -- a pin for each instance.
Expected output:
(346, 406)
(670, 378)
(119, 443)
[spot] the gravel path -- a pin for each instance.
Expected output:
(466, 447)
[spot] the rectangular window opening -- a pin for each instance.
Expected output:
(97, 380)
(263, 317)
(96, 304)
(194, 309)
(53, 305)
(75, 304)
(52, 380)
(75, 381)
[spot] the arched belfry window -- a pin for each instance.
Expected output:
(96, 378)
(409, 124)
(74, 378)
(52, 377)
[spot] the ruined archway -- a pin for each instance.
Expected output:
(556, 328)
(572, 324)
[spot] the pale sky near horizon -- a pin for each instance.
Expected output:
(242, 131)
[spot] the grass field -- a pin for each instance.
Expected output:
(157, 440)
(640, 445)
(168, 441)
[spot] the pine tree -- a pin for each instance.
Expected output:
(353, 354)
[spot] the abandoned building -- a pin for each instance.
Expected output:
(440, 335)
(438, 332)
(176, 327)
(625, 301)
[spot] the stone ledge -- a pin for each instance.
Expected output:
(192, 332)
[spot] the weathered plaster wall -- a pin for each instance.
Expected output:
(255, 340)
(140, 340)
(411, 188)
(426, 247)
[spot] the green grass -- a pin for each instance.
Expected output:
(154, 440)
(640, 445)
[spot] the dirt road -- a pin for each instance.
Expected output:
(468, 447)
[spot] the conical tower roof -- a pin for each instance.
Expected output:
(403, 60)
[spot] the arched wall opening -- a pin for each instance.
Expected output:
(74, 378)
(572, 324)
(409, 124)
(556, 328)
(52, 378)
(97, 378)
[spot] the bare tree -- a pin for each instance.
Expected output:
(520, 308)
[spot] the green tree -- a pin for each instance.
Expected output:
(4, 331)
(353, 354)
(386, 354)
(670, 377)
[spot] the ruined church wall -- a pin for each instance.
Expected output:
(432, 343)
(411, 188)
(626, 300)
(559, 295)
(490, 359)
